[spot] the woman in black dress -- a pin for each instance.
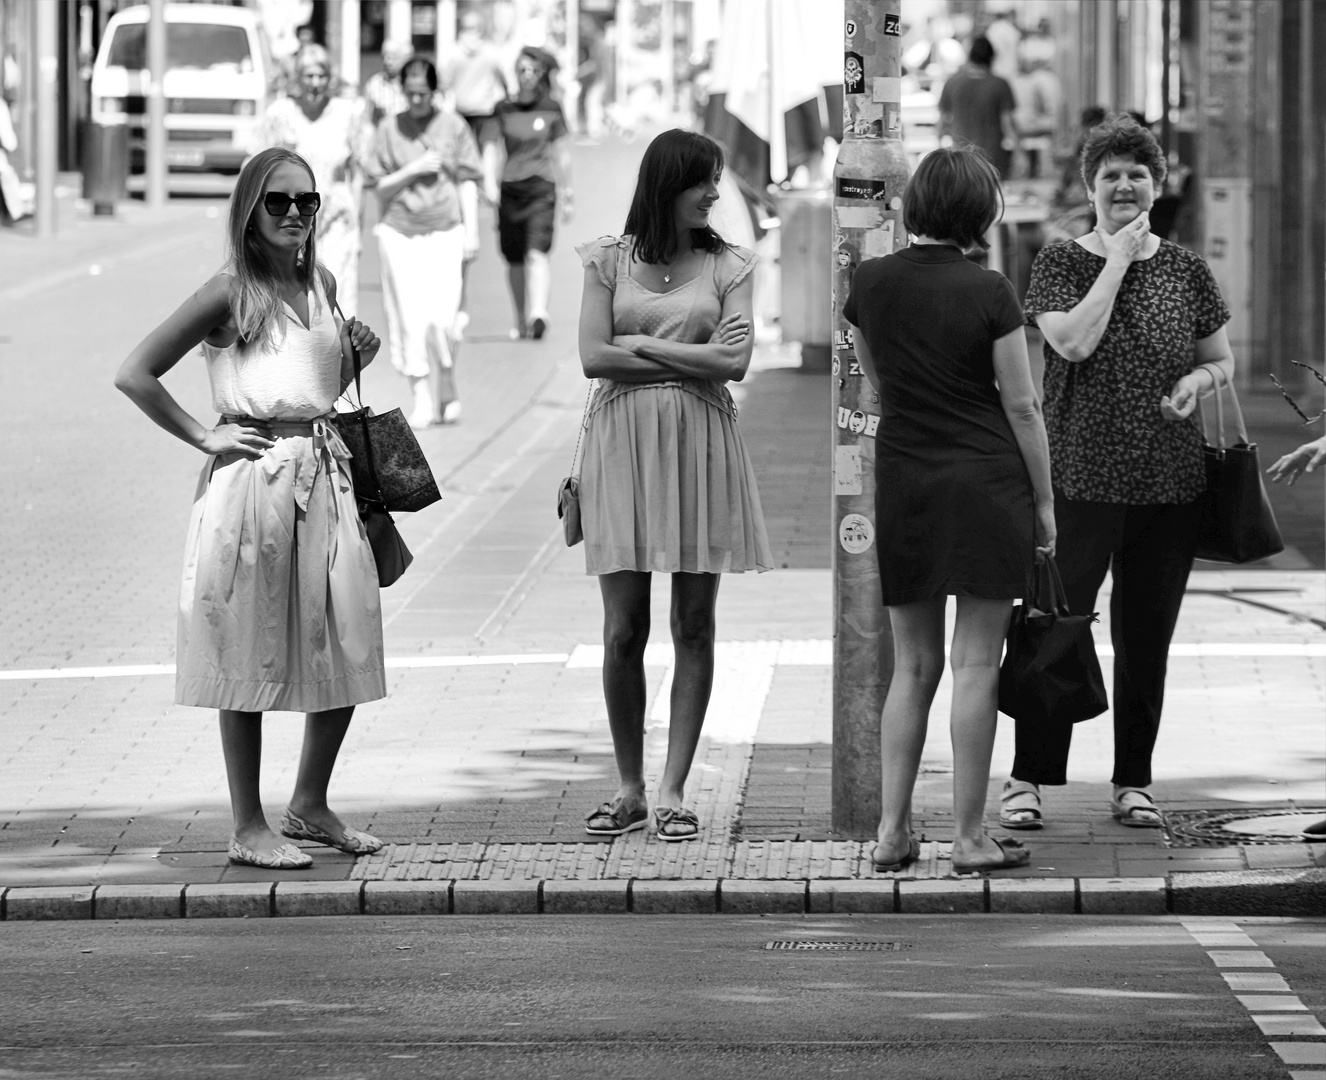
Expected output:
(963, 498)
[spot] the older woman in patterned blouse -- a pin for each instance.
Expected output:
(1134, 333)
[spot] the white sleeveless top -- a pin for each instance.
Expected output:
(295, 377)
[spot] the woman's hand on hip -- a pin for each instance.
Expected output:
(731, 331)
(249, 439)
(1046, 531)
(359, 335)
(1182, 398)
(1129, 243)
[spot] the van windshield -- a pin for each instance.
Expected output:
(200, 46)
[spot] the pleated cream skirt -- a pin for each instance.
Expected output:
(666, 485)
(279, 605)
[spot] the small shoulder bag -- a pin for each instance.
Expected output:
(568, 491)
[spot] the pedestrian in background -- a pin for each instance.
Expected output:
(535, 180)
(331, 133)
(665, 484)
(279, 604)
(976, 109)
(425, 170)
(382, 89)
(1134, 331)
(474, 78)
(963, 501)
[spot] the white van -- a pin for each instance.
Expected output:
(216, 83)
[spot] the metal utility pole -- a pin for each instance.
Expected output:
(868, 181)
(48, 70)
(156, 104)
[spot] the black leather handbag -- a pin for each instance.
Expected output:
(1238, 524)
(389, 472)
(1050, 673)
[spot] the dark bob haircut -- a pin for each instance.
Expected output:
(953, 195)
(1120, 135)
(419, 64)
(675, 161)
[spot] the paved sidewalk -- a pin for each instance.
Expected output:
(481, 765)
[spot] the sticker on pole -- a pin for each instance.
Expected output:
(854, 74)
(856, 534)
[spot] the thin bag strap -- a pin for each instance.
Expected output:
(354, 356)
(1220, 387)
(362, 415)
(1048, 588)
(584, 423)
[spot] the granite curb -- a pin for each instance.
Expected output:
(1289, 892)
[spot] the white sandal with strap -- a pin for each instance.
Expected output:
(1141, 812)
(1020, 806)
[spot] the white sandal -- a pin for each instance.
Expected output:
(1140, 812)
(1020, 806)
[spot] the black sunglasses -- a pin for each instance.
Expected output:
(277, 203)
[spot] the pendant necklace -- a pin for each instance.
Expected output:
(667, 279)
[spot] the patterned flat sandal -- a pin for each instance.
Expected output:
(353, 842)
(613, 819)
(675, 823)
(284, 857)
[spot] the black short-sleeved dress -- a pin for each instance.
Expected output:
(954, 510)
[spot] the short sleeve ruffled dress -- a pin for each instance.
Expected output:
(666, 484)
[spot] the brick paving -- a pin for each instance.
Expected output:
(483, 772)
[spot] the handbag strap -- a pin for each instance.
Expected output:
(361, 414)
(584, 422)
(1048, 588)
(1219, 389)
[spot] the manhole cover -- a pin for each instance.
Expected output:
(836, 946)
(1228, 828)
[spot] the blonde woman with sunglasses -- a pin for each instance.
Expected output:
(279, 603)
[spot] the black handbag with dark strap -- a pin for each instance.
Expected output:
(389, 472)
(1238, 524)
(1050, 672)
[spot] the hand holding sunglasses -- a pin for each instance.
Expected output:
(277, 203)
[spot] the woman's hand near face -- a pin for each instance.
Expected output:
(249, 439)
(1129, 243)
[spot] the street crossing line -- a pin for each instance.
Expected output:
(1268, 1007)
(813, 652)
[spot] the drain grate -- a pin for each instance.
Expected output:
(1229, 828)
(836, 946)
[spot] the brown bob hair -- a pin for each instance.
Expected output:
(953, 195)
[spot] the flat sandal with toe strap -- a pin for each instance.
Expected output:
(910, 856)
(685, 825)
(613, 819)
(1142, 813)
(1020, 806)
(1011, 853)
(281, 857)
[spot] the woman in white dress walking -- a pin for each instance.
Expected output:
(279, 604)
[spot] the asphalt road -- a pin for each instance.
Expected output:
(640, 997)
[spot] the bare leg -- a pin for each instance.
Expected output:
(918, 663)
(538, 277)
(625, 634)
(323, 734)
(978, 643)
(515, 276)
(693, 599)
(241, 744)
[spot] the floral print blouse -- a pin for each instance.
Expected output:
(1108, 440)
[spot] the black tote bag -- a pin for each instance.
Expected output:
(1238, 524)
(1050, 672)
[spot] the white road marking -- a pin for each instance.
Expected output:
(814, 652)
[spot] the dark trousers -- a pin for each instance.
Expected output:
(1149, 551)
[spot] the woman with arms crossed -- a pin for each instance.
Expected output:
(962, 487)
(279, 604)
(666, 484)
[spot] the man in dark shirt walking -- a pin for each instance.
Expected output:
(976, 109)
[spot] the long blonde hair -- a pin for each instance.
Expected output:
(256, 298)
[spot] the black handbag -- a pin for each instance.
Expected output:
(389, 472)
(1050, 671)
(568, 491)
(1238, 524)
